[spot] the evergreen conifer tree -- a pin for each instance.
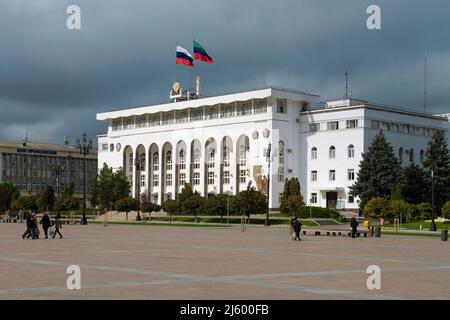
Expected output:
(379, 171)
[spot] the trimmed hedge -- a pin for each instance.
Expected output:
(317, 212)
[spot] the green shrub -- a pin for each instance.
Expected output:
(446, 210)
(125, 204)
(378, 208)
(317, 212)
(150, 207)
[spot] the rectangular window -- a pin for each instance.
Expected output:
(227, 110)
(226, 177)
(196, 178)
(211, 178)
(182, 180)
(244, 108)
(196, 114)
(168, 117)
(154, 119)
(261, 106)
(281, 105)
(313, 176)
(243, 176)
(182, 116)
(333, 125)
(142, 180)
(351, 124)
(141, 121)
(375, 124)
(211, 112)
(117, 124)
(314, 127)
(332, 175)
(128, 123)
(313, 198)
(351, 174)
(168, 179)
(351, 199)
(104, 147)
(281, 173)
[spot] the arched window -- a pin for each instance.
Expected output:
(332, 152)
(155, 161)
(351, 151)
(226, 157)
(211, 158)
(422, 156)
(314, 153)
(400, 155)
(169, 160)
(130, 166)
(182, 160)
(196, 159)
(281, 161)
(411, 155)
(242, 156)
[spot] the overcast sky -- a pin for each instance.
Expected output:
(53, 80)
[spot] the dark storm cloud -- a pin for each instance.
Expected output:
(53, 81)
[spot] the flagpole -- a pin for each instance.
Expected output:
(176, 64)
(194, 70)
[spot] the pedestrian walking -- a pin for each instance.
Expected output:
(58, 226)
(291, 226)
(297, 229)
(354, 224)
(45, 221)
(27, 232)
(34, 227)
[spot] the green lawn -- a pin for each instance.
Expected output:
(416, 225)
(234, 220)
(414, 234)
(198, 225)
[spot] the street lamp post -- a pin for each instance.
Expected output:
(139, 163)
(433, 224)
(58, 170)
(85, 147)
(268, 159)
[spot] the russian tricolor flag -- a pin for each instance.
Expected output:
(184, 57)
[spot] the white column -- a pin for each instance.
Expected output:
(218, 164)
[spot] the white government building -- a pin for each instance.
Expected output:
(219, 144)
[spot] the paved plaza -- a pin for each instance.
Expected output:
(159, 262)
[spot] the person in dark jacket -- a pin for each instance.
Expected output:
(34, 227)
(297, 229)
(354, 224)
(27, 233)
(58, 225)
(45, 224)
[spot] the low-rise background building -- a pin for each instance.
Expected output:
(32, 166)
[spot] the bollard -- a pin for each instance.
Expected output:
(444, 235)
